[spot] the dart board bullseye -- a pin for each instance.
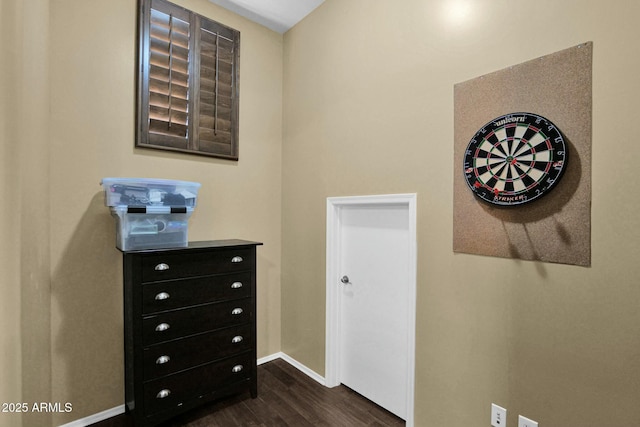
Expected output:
(515, 159)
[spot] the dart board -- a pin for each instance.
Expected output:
(515, 159)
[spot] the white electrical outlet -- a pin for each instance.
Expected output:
(526, 422)
(498, 416)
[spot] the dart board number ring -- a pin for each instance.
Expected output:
(515, 159)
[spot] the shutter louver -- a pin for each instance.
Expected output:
(168, 78)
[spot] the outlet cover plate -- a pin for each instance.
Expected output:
(526, 422)
(498, 416)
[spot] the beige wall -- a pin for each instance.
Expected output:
(24, 257)
(10, 338)
(368, 108)
(67, 122)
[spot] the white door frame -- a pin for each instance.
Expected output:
(334, 206)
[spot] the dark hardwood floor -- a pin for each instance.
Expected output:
(286, 397)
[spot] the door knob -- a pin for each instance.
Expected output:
(345, 279)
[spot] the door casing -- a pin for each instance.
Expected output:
(332, 359)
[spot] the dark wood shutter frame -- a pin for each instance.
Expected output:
(188, 82)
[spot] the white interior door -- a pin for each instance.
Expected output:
(374, 303)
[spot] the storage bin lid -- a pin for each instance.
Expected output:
(151, 210)
(149, 192)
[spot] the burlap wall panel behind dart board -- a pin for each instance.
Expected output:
(556, 227)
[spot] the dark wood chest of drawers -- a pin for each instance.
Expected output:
(190, 328)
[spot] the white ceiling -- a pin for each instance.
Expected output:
(278, 15)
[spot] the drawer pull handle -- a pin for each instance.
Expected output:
(236, 311)
(237, 339)
(162, 327)
(161, 296)
(162, 360)
(163, 393)
(161, 267)
(236, 285)
(236, 259)
(237, 368)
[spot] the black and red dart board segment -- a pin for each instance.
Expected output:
(515, 159)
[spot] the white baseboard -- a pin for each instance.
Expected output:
(270, 358)
(101, 416)
(307, 371)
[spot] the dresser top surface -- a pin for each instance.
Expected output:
(203, 244)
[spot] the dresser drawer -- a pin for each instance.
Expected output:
(166, 358)
(170, 391)
(180, 265)
(160, 296)
(189, 321)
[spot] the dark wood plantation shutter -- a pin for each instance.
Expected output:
(217, 126)
(188, 82)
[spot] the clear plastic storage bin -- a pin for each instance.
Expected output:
(150, 213)
(150, 230)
